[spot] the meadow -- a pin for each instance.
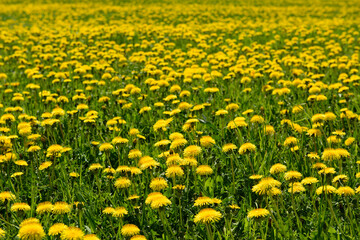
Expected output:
(178, 120)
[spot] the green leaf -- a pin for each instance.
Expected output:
(331, 230)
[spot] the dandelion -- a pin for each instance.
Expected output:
(175, 136)
(292, 175)
(7, 196)
(258, 213)
(108, 211)
(54, 150)
(176, 143)
(327, 189)
(309, 181)
(345, 191)
(158, 184)
(203, 201)
(256, 177)
(20, 207)
(45, 165)
(134, 153)
(269, 130)
(296, 187)
(152, 196)
(207, 141)
(122, 182)
(91, 237)
(2, 233)
(174, 171)
(192, 151)
(138, 237)
(257, 119)
(72, 233)
(204, 170)
(207, 215)
(330, 154)
(327, 170)
(265, 186)
(229, 147)
(29, 221)
(61, 208)
(290, 141)
(95, 166)
(340, 178)
(119, 212)
(31, 231)
(349, 141)
(319, 166)
(277, 168)
(129, 230)
(160, 201)
(313, 155)
(247, 148)
(57, 229)
(105, 147)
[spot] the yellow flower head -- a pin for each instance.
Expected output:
(207, 215)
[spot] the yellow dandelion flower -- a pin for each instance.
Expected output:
(292, 175)
(7, 196)
(229, 147)
(340, 178)
(57, 229)
(258, 213)
(45, 165)
(20, 207)
(319, 166)
(345, 191)
(138, 237)
(129, 230)
(309, 181)
(349, 141)
(176, 143)
(313, 155)
(2, 233)
(247, 148)
(72, 233)
(95, 166)
(152, 196)
(330, 154)
(160, 201)
(31, 231)
(269, 130)
(192, 151)
(327, 170)
(91, 237)
(119, 212)
(207, 215)
(207, 141)
(108, 211)
(44, 207)
(290, 141)
(265, 186)
(204, 170)
(174, 171)
(277, 168)
(122, 182)
(256, 177)
(296, 187)
(203, 201)
(158, 184)
(327, 189)
(61, 208)
(105, 147)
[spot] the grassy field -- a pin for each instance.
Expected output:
(169, 120)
